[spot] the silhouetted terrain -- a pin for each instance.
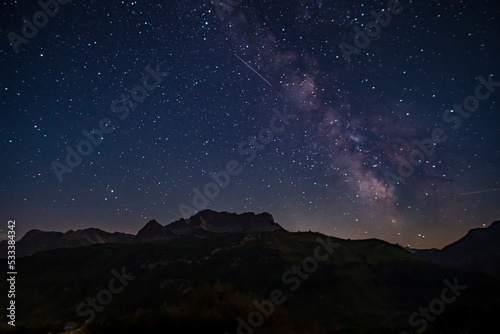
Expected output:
(35, 241)
(205, 223)
(479, 250)
(204, 275)
(208, 223)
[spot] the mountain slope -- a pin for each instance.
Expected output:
(153, 231)
(190, 284)
(37, 241)
(479, 250)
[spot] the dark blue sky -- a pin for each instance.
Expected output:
(153, 98)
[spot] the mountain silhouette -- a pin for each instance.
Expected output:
(153, 231)
(203, 224)
(479, 250)
(208, 222)
(35, 241)
(212, 271)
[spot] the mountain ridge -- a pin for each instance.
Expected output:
(209, 222)
(203, 224)
(36, 240)
(478, 250)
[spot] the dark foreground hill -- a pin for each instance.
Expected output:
(265, 282)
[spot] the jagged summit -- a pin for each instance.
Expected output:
(153, 231)
(203, 224)
(208, 222)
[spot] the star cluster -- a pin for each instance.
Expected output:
(228, 73)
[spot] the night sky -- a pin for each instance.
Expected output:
(293, 113)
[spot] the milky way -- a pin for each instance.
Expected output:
(390, 139)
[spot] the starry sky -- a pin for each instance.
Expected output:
(310, 110)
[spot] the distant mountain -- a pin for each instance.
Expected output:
(208, 222)
(422, 252)
(479, 250)
(203, 224)
(35, 241)
(153, 231)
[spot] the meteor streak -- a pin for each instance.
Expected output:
(253, 70)
(478, 192)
